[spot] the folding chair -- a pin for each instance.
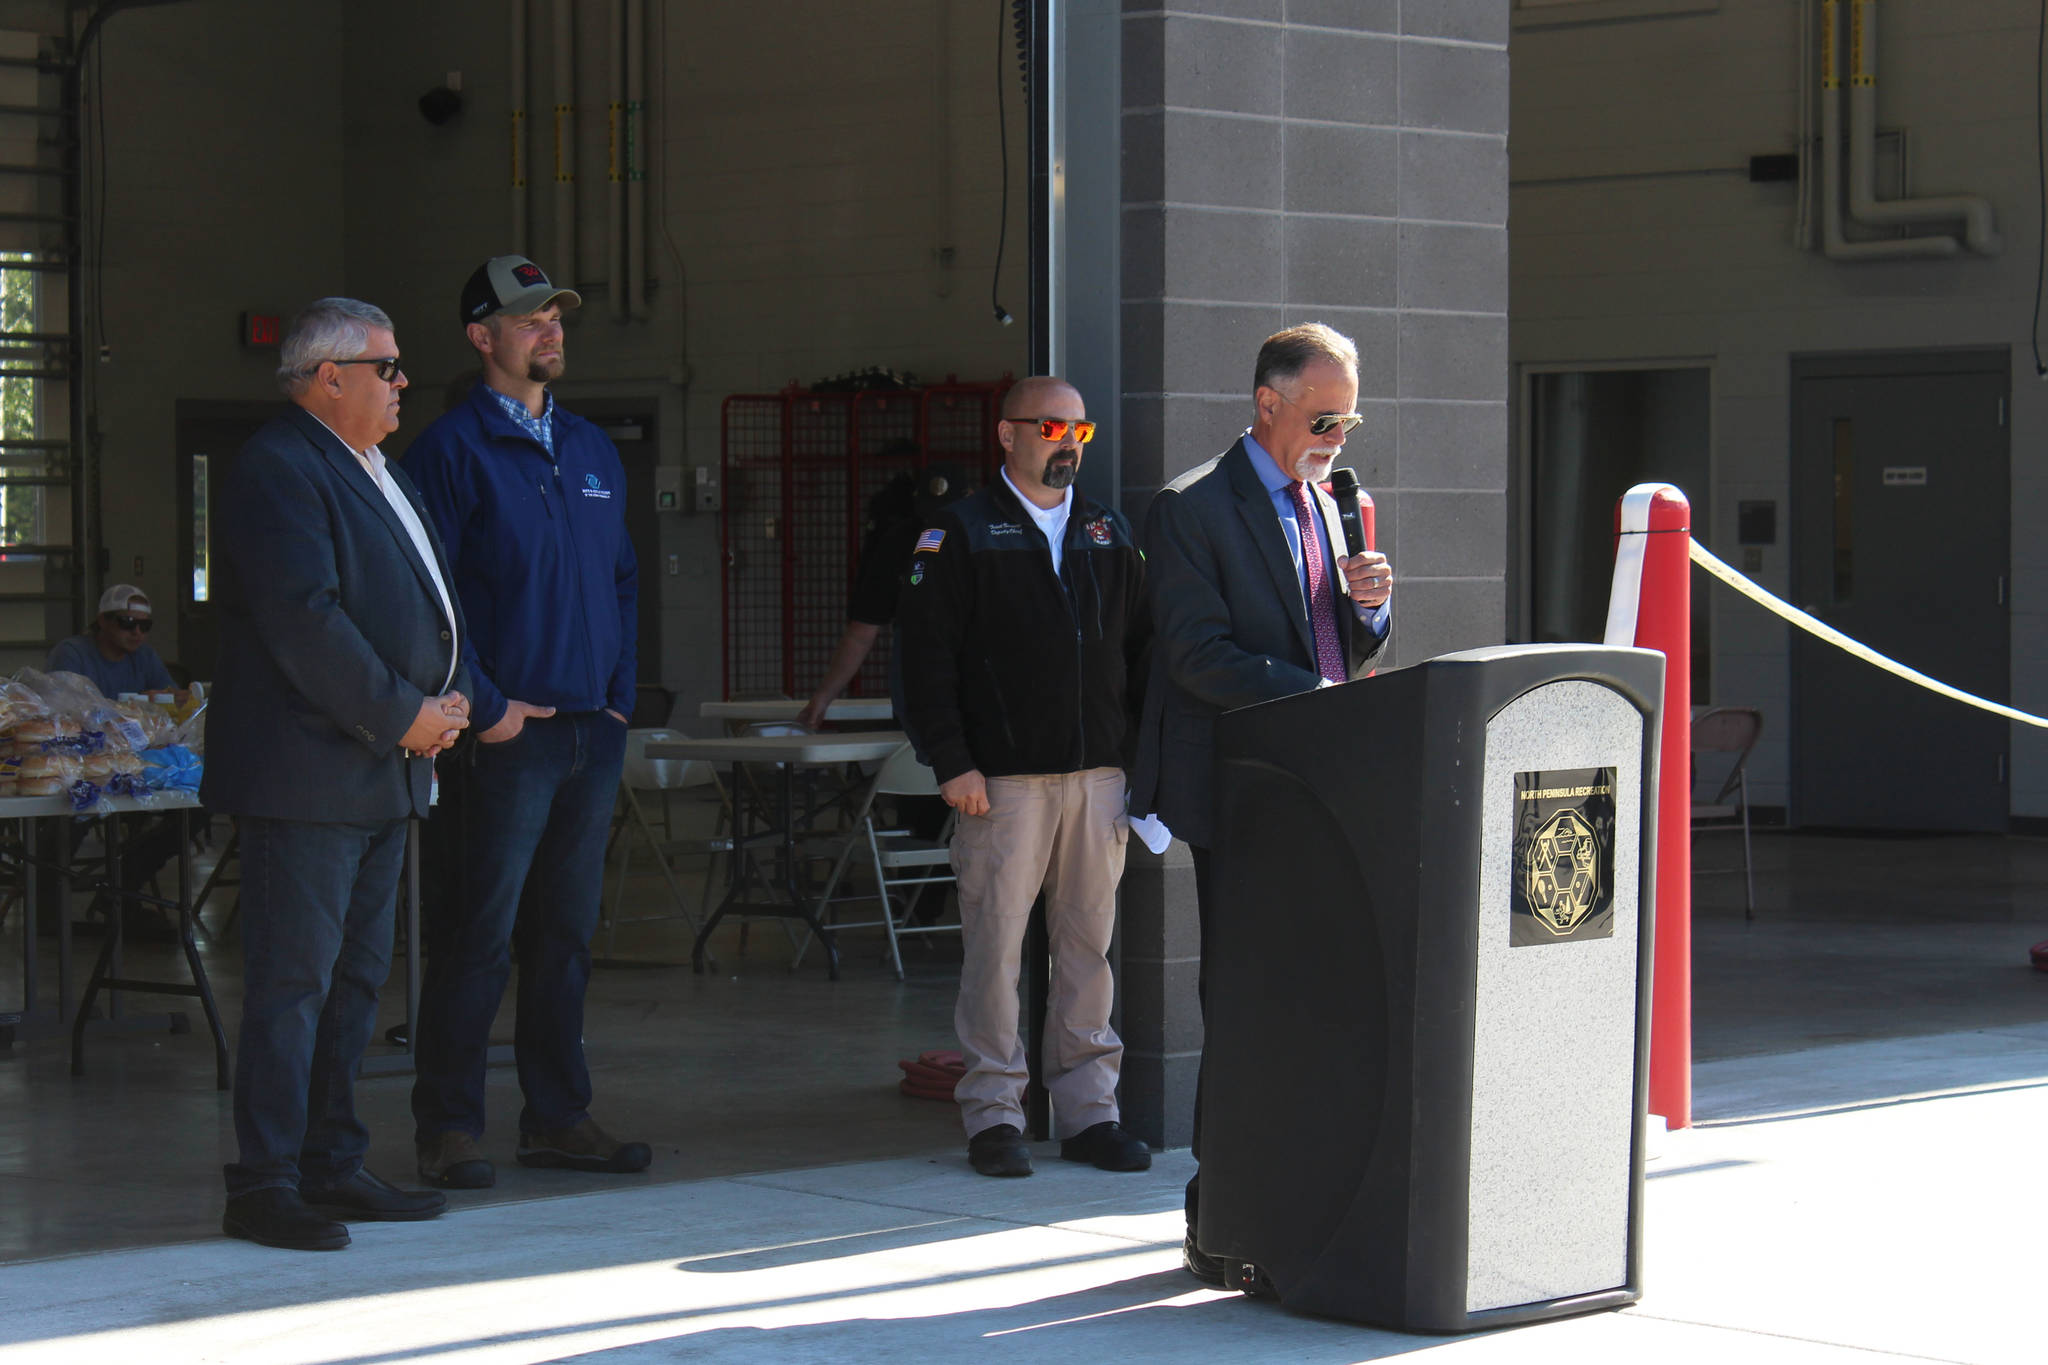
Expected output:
(661, 777)
(891, 851)
(1720, 731)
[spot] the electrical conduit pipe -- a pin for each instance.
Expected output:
(1833, 244)
(1980, 234)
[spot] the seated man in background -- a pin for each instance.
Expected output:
(115, 652)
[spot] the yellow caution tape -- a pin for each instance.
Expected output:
(1814, 626)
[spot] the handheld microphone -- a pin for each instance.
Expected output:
(1344, 488)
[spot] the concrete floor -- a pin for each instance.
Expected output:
(1866, 1231)
(755, 1069)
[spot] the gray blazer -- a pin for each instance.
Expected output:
(331, 635)
(1231, 628)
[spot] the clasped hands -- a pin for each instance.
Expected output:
(435, 728)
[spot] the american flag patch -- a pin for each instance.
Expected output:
(930, 540)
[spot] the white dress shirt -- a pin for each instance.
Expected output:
(1052, 521)
(373, 462)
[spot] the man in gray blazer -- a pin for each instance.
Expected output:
(337, 682)
(1252, 598)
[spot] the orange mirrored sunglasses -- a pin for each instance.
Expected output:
(1055, 428)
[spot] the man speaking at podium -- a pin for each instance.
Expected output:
(1253, 598)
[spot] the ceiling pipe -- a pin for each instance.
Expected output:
(636, 160)
(615, 176)
(1980, 231)
(517, 63)
(1834, 245)
(565, 271)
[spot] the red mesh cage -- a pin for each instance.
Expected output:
(817, 563)
(799, 470)
(885, 445)
(755, 440)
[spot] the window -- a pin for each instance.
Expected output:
(202, 544)
(21, 504)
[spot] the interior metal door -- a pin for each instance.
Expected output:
(1902, 516)
(208, 435)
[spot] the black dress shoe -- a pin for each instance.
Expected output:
(1200, 1264)
(363, 1198)
(278, 1217)
(999, 1151)
(1109, 1147)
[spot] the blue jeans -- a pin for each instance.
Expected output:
(316, 910)
(526, 822)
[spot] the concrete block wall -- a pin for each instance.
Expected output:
(1639, 239)
(1297, 160)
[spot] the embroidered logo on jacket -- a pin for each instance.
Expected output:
(593, 489)
(1098, 531)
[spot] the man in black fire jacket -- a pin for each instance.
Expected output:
(1024, 653)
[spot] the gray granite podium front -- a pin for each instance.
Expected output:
(1428, 1000)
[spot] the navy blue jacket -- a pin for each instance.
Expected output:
(543, 564)
(1233, 630)
(331, 634)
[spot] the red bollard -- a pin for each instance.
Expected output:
(1651, 607)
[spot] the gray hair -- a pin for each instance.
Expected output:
(1286, 354)
(326, 329)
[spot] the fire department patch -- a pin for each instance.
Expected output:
(1563, 875)
(1098, 531)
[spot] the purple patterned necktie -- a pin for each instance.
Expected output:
(1322, 606)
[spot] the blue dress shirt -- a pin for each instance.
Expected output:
(1280, 489)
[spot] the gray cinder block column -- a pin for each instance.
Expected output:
(1285, 161)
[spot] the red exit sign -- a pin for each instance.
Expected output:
(262, 329)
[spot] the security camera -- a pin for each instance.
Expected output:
(440, 104)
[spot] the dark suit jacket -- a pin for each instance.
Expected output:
(331, 634)
(1231, 629)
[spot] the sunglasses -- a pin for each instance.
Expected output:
(1055, 428)
(141, 623)
(387, 366)
(1324, 423)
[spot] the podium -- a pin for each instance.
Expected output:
(1428, 1002)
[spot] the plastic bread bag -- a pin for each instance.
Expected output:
(48, 774)
(172, 768)
(19, 703)
(129, 776)
(191, 732)
(79, 714)
(141, 725)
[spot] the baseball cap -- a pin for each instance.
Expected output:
(514, 285)
(121, 597)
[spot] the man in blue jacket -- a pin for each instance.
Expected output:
(531, 504)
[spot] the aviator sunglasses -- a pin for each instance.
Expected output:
(1055, 428)
(1323, 423)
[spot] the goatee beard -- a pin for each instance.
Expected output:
(1060, 473)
